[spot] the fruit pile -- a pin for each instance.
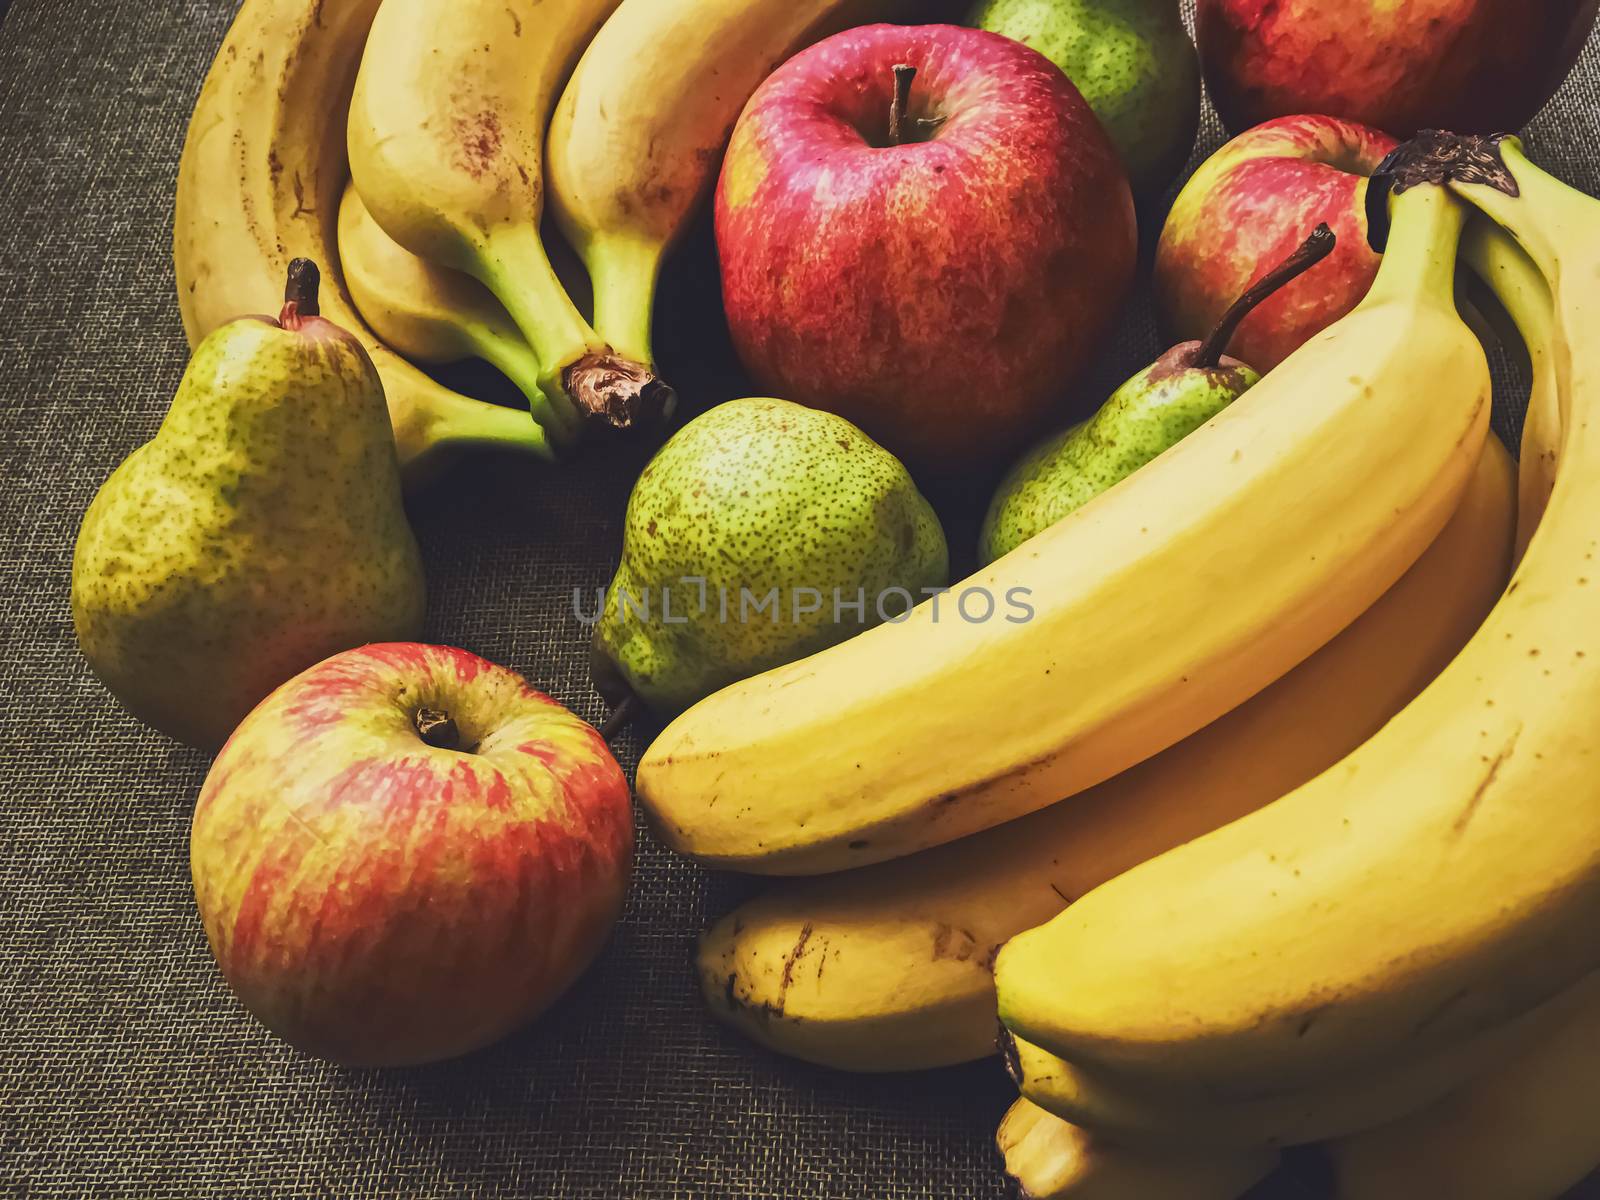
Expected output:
(1249, 777)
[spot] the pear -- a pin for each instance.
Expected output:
(260, 531)
(1133, 62)
(1145, 417)
(762, 532)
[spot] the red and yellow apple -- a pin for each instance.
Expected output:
(943, 292)
(1246, 209)
(405, 852)
(1475, 66)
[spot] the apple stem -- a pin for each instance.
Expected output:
(621, 717)
(437, 728)
(1312, 251)
(300, 294)
(904, 73)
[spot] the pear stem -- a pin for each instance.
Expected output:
(300, 294)
(621, 717)
(904, 73)
(437, 728)
(1312, 251)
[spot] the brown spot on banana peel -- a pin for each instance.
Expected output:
(789, 962)
(478, 139)
(300, 207)
(763, 1012)
(1491, 773)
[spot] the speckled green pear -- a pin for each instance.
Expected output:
(1148, 415)
(758, 497)
(1145, 417)
(259, 532)
(1133, 62)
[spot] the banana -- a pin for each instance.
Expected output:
(639, 132)
(1522, 291)
(1442, 879)
(436, 315)
(1179, 1120)
(888, 968)
(1163, 604)
(1048, 1159)
(1525, 1130)
(258, 185)
(446, 137)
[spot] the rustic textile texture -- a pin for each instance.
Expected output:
(126, 1067)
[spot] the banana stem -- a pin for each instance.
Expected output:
(618, 391)
(1556, 226)
(624, 272)
(575, 365)
(1520, 288)
(518, 363)
(1420, 261)
(1562, 211)
(474, 423)
(516, 269)
(1312, 251)
(1516, 281)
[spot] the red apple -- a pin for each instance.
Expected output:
(1476, 66)
(406, 852)
(941, 293)
(1246, 209)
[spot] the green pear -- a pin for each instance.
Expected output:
(1133, 62)
(1145, 417)
(259, 532)
(1149, 414)
(762, 532)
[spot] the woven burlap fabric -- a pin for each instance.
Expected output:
(126, 1067)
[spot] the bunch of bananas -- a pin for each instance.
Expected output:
(407, 148)
(1310, 885)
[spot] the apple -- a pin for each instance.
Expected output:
(1474, 66)
(1246, 209)
(942, 291)
(405, 852)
